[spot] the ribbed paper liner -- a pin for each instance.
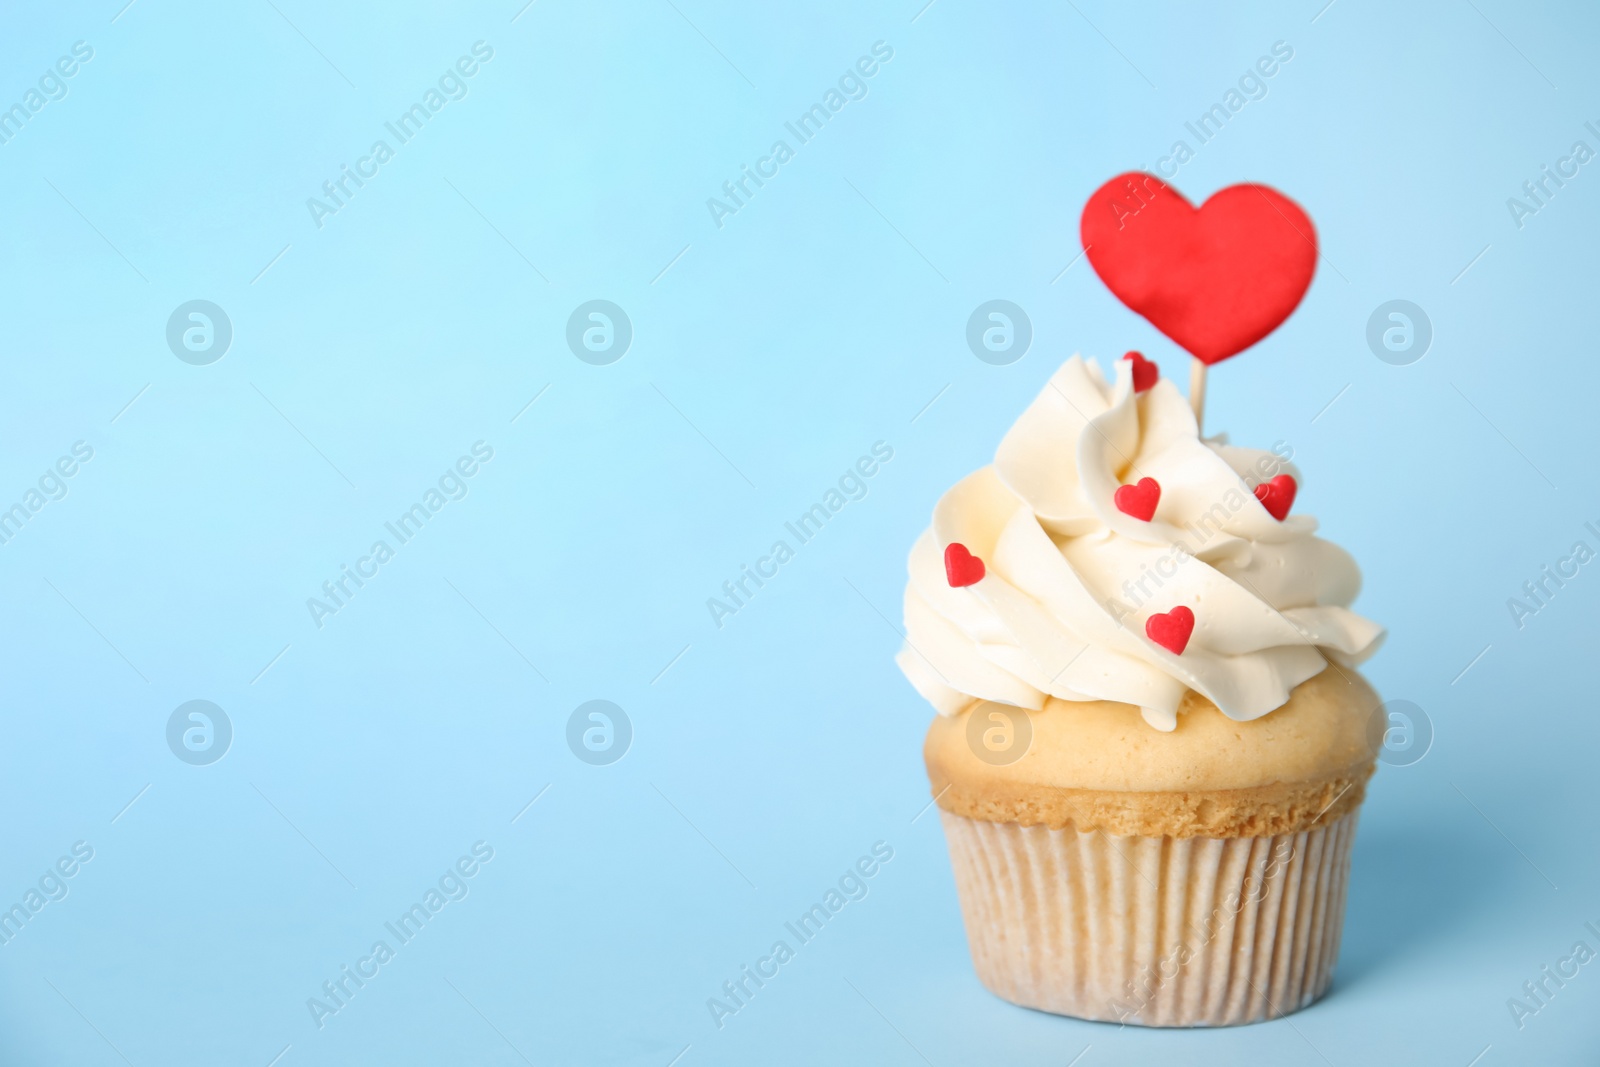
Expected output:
(1142, 930)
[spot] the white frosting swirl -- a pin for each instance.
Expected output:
(1071, 580)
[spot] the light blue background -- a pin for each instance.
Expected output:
(772, 353)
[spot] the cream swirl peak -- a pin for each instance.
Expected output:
(1070, 581)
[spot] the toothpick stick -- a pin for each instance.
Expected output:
(1197, 391)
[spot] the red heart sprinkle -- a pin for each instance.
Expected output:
(1171, 631)
(1139, 500)
(960, 566)
(1277, 496)
(1145, 372)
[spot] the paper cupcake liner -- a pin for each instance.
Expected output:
(1154, 931)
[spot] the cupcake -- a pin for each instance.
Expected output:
(1151, 742)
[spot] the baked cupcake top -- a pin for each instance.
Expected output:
(1111, 553)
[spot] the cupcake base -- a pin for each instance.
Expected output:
(1152, 931)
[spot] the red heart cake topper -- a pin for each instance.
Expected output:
(1217, 278)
